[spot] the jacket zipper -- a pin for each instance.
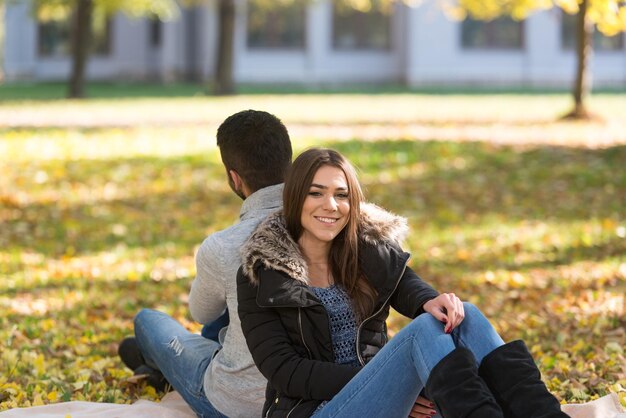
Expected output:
(292, 409)
(310, 356)
(358, 331)
(267, 414)
(302, 334)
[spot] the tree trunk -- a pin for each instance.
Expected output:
(223, 82)
(584, 50)
(81, 39)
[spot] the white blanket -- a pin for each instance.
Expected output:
(173, 406)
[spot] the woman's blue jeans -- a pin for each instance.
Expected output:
(181, 356)
(390, 383)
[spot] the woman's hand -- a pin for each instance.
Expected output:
(448, 309)
(423, 408)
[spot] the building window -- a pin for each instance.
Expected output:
(155, 29)
(276, 25)
(54, 37)
(101, 36)
(501, 33)
(356, 29)
(601, 42)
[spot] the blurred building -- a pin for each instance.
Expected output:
(318, 43)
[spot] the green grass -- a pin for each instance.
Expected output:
(100, 219)
(18, 91)
(99, 90)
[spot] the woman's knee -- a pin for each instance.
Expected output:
(474, 318)
(471, 311)
(426, 324)
(430, 339)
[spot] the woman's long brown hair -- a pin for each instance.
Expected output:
(344, 251)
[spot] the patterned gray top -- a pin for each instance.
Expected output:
(342, 326)
(342, 322)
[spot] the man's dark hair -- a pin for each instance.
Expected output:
(256, 145)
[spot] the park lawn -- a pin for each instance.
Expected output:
(103, 203)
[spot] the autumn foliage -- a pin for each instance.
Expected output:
(103, 203)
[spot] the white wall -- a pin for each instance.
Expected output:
(435, 55)
(20, 43)
(426, 50)
(318, 62)
(130, 56)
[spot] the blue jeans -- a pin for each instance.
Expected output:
(390, 383)
(181, 356)
(212, 330)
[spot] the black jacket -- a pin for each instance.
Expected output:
(286, 327)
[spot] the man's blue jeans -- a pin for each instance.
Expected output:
(212, 330)
(390, 383)
(181, 356)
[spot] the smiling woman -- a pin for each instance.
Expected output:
(314, 292)
(323, 198)
(326, 209)
(325, 213)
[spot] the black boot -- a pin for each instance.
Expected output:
(130, 353)
(131, 356)
(458, 391)
(514, 379)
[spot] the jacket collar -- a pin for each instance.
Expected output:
(265, 199)
(271, 246)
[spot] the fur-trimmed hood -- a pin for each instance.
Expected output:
(272, 245)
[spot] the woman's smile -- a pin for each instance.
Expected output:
(326, 220)
(326, 208)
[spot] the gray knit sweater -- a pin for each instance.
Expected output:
(232, 382)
